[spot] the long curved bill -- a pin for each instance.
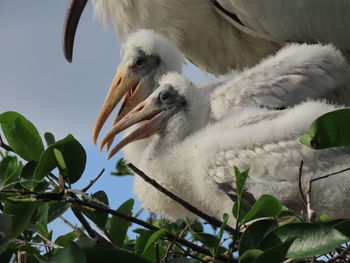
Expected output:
(148, 113)
(124, 83)
(130, 101)
(74, 10)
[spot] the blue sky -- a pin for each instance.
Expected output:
(36, 81)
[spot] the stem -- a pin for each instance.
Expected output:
(185, 204)
(91, 183)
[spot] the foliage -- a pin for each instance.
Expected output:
(33, 194)
(329, 130)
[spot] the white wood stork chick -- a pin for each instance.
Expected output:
(297, 72)
(190, 158)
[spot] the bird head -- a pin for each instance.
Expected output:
(146, 56)
(170, 102)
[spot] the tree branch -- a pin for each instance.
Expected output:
(77, 230)
(212, 220)
(25, 242)
(5, 146)
(102, 209)
(91, 183)
(300, 184)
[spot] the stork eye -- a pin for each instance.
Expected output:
(140, 61)
(164, 96)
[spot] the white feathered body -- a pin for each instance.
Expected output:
(298, 72)
(307, 21)
(235, 130)
(269, 147)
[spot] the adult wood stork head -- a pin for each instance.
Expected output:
(146, 57)
(167, 111)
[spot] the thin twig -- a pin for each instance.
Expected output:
(340, 256)
(310, 212)
(148, 226)
(77, 230)
(21, 256)
(179, 236)
(300, 184)
(185, 204)
(92, 233)
(103, 209)
(138, 213)
(47, 241)
(91, 183)
(25, 242)
(5, 146)
(328, 175)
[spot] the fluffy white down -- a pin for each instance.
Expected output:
(296, 73)
(155, 44)
(190, 162)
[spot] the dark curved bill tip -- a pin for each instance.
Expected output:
(74, 10)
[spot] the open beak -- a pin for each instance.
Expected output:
(151, 118)
(74, 10)
(123, 83)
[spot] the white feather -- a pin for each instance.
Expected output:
(190, 161)
(216, 43)
(296, 73)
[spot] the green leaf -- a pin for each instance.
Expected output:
(5, 229)
(153, 238)
(225, 219)
(275, 254)
(8, 166)
(56, 209)
(265, 206)
(70, 254)
(41, 223)
(311, 239)
(49, 138)
(119, 226)
(21, 213)
(254, 234)
(244, 208)
(21, 135)
(14, 176)
(241, 178)
(27, 175)
(142, 239)
(343, 227)
(250, 256)
(330, 130)
(206, 239)
(121, 168)
(183, 260)
(73, 154)
(100, 254)
(42, 230)
(64, 240)
(59, 159)
(98, 218)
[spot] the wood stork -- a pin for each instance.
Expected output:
(295, 73)
(214, 38)
(191, 158)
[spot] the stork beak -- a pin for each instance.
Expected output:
(151, 116)
(124, 82)
(74, 10)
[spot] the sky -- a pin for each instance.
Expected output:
(63, 98)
